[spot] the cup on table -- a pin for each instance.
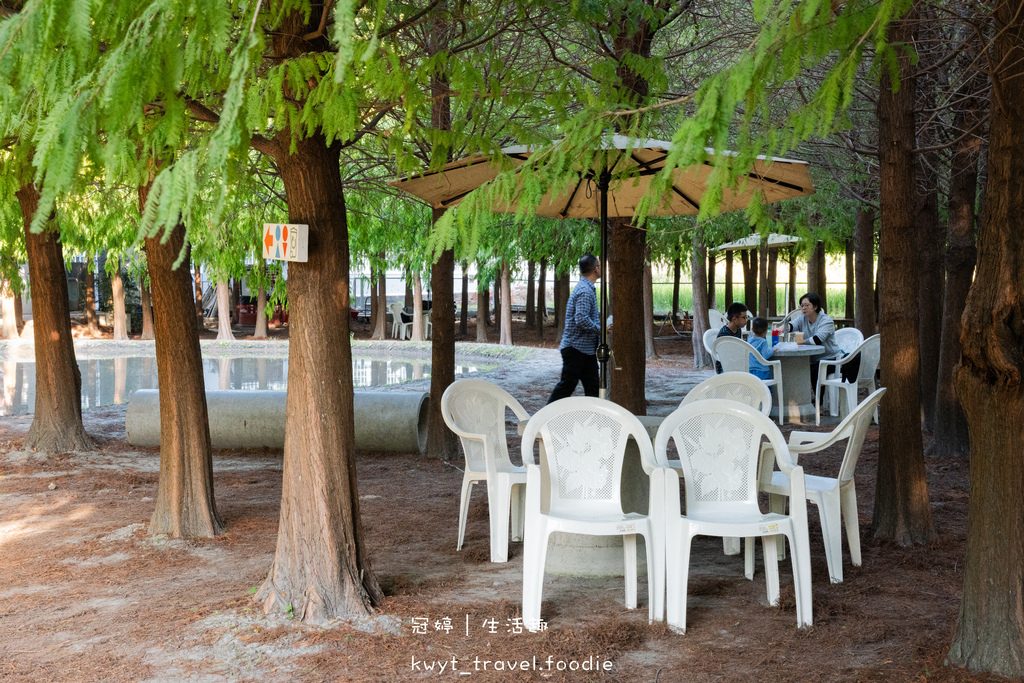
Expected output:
(799, 338)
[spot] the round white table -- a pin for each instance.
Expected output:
(796, 380)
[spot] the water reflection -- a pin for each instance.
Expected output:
(113, 380)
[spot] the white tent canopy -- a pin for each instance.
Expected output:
(754, 241)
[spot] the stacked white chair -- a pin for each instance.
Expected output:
(583, 442)
(719, 442)
(734, 355)
(475, 410)
(830, 376)
(836, 498)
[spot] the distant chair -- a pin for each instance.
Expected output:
(848, 339)
(734, 355)
(399, 329)
(830, 375)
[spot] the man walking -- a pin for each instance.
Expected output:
(579, 340)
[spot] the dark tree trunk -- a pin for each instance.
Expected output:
(822, 270)
(498, 303)
(762, 298)
(120, 315)
(627, 246)
(487, 303)
(864, 235)
(989, 380)
(677, 274)
(711, 280)
(464, 309)
(441, 442)
(407, 302)
(931, 240)
(701, 359)
(749, 279)
(902, 512)
(236, 299)
(542, 298)
(729, 296)
(185, 503)
(147, 311)
(224, 312)
(950, 436)
(851, 312)
(482, 289)
(773, 279)
(531, 268)
(198, 281)
(57, 420)
(380, 302)
(649, 351)
(91, 319)
(321, 569)
(791, 296)
(561, 299)
(505, 328)
(812, 272)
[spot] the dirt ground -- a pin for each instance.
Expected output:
(87, 595)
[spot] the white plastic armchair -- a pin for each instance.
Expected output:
(848, 339)
(734, 355)
(399, 329)
(709, 340)
(830, 376)
(716, 319)
(584, 442)
(475, 410)
(836, 498)
(719, 442)
(734, 386)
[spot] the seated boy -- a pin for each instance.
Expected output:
(764, 347)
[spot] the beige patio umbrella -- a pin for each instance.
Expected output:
(775, 241)
(614, 186)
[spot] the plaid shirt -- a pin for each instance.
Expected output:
(582, 322)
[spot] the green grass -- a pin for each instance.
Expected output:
(835, 298)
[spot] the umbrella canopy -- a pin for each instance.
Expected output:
(640, 159)
(595, 194)
(754, 241)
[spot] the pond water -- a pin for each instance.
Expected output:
(107, 381)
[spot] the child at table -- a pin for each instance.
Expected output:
(758, 340)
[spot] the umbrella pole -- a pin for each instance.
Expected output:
(603, 351)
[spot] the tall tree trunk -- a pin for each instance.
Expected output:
(812, 272)
(498, 303)
(185, 503)
(822, 285)
(712, 303)
(441, 442)
(224, 312)
(762, 298)
(749, 279)
(147, 311)
(561, 300)
(989, 380)
(482, 289)
(729, 295)
(531, 268)
(321, 569)
(791, 295)
(417, 308)
(19, 318)
(407, 302)
(505, 329)
(91, 319)
(198, 282)
(486, 303)
(120, 315)
(649, 351)
(851, 311)
(701, 359)
(864, 235)
(464, 309)
(902, 512)
(950, 436)
(773, 280)
(931, 240)
(542, 298)
(627, 246)
(261, 314)
(677, 275)
(57, 420)
(380, 302)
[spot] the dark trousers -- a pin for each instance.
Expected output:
(576, 367)
(848, 372)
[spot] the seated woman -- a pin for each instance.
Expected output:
(817, 328)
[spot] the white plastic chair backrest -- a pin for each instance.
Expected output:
(848, 339)
(584, 444)
(475, 410)
(396, 311)
(870, 354)
(716, 319)
(719, 442)
(733, 354)
(854, 428)
(733, 386)
(709, 339)
(786, 319)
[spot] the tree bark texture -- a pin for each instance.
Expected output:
(561, 300)
(677, 268)
(200, 313)
(762, 297)
(649, 351)
(464, 309)
(261, 314)
(531, 273)
(950, 436)
(417, 309)
(851, 309)
(224, 312)
(542, 298)
(701, 359)
(441, 441)
(729, 296)
(627, 246)
(147, 311)
(749, 257)
(791, 296)
(321, 570)
(498, 303)
(91, 319)
(57, 420)
(380, 302)
(931, 239)
(864, 253)
(120, 315)
(185, 502)
(990, 628)
(902, 512)
(712, 303)
(407, 302)
(505, 330)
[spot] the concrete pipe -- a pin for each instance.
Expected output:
(384, 421)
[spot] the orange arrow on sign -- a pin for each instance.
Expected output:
(268, 240)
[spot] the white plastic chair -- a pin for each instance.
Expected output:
(848, 339)
(836, 498)
(399, 329)
(716, 319)
(709, 339)
(475, 410)
(830, 376)
(734, 386)
(719, 442)
(734, 355)
(583, 444)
